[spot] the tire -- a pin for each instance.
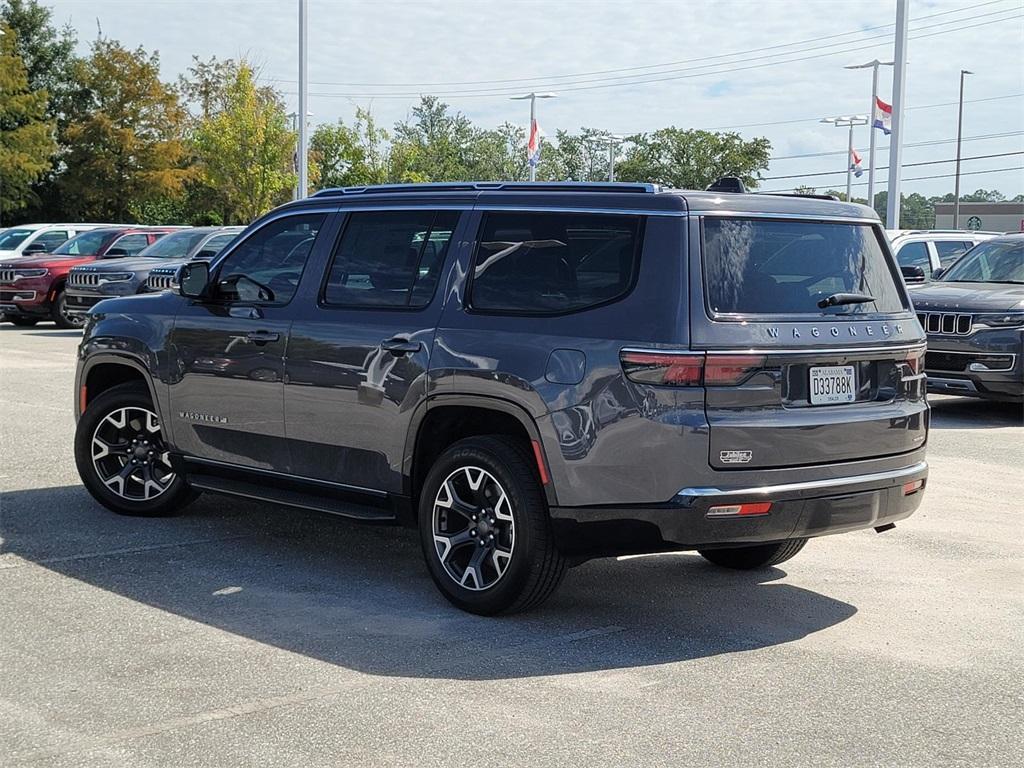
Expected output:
(21, 321)
(100, 431)
(517, 523)
(60, 314)
(748, 558)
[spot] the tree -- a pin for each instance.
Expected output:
(26, 135)
(432, 144)
(693, 159)
(349, 156)
(916, 211)
(576, 157)
(246, 150)
(126, 147)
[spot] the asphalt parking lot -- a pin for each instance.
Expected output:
(242, 634)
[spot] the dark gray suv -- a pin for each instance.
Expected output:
(530, 374)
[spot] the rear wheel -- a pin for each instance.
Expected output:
(485, 530)
(122, 458)
(761, 556)
(62, 317)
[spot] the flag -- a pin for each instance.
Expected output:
(533, 145)
(855, 163)
(883, 116)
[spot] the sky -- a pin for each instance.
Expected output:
(770, 68)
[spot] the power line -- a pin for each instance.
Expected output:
(546, 78)
(602, 82)
(915, 144)
(923, 178)
(885, 168)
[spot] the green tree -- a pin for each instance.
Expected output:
(246, 150)
(693, 159)
(433, 144)
(916, 211)
(26, 135)
(576, 157)
(126, 146)
(349, 156)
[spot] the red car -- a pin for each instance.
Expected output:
(32, 289)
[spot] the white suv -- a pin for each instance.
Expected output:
(931, 249)
(30, 239)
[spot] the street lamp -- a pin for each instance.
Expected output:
(296, 160)
(533, 116)
(873, 65)
(844, 122)
(612, 141)
(959, 134)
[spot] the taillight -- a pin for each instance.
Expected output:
(664, 368)
(728, 370)
(913, 361)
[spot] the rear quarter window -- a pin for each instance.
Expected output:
(785, 267)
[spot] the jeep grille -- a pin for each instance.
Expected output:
(946, 323)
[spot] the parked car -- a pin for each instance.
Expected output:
(920, 252)
(973, 314)
(530, 374)
(93, 282)
(35, 239)
(32, 288)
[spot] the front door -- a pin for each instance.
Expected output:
(358, 358)
(227, 393)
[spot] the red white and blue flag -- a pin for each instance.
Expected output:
(883, 116)
(533, 145)
(855, 163)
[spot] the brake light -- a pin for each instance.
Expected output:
(754, 509)
(727, 370)
(665, 368)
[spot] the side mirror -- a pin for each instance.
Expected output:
(206, 254)
(115, 253)
(36, 247)
(938, 273)
(192, 279)
(912, 274)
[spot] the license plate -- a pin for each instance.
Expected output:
(833, 384)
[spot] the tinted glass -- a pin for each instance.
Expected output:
(52, 239)
(217, 242)
(756, 266)
(12, 238)
(130, 243)
(915, 255)
(950, 251)
(990, 262)
(389, 259)
(85, 243)
(176, 245)
(547, 263)
(267, 266)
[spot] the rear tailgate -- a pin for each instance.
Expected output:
(789, 383)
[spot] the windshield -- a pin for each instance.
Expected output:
(989, 262)
(176, 245)
(12, 238)
(765, 266)
(84, 244)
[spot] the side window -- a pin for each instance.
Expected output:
(915, 255)
(549, 263)
(951, 250)
(131, 243)
(389, 258)
(267, 266)
(217, 242)
(53, 238)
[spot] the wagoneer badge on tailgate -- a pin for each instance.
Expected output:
(736, 457)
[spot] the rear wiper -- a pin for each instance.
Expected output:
(836, 299)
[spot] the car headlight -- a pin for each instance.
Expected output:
(116, 277)
(1000, 319)
(20, 274)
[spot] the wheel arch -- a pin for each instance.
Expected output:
(102, 372)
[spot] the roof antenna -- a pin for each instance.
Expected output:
(727, 184)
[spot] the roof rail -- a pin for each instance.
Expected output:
(497, 186)
(800, 194)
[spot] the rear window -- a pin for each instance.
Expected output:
(550, 263)
(769, 267)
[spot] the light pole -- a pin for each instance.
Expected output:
(873, 65)
(533, 119)
(303, 150)
(294, 117)
(899, 85)
(959, 134)
(612, 141)
(844, 122)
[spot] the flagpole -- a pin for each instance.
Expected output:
(899, 100)
(533, 117)
(849, 168)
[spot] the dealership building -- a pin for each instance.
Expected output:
(990, 217)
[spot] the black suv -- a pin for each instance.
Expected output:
(531, 374)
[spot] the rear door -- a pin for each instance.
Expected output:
(801, 367)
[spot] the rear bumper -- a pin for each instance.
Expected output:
(799, 510)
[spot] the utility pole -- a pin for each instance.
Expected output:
(533, 119)
(843, 122)
(873, 65)
(959, 135)
(899, 82)
(303, 151)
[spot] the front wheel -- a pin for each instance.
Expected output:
(485, 530)
(760, 556)
(62, 317)
(122, 458)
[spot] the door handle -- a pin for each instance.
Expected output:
(399, 347)
(262, 337)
